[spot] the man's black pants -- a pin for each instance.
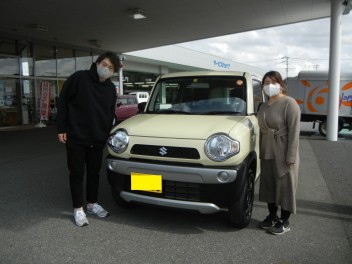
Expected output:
(79, 159)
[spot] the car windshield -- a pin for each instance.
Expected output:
(206, 95)
(127, 101)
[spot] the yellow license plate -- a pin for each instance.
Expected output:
(146, 182)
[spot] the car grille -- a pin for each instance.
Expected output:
(165, 151)
(184, 191)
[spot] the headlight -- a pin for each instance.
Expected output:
(118, 141)
(220, 147)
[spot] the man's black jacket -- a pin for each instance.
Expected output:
(86, 108)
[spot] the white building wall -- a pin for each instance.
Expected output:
(179, 57)
(130, 65)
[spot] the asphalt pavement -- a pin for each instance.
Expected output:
(36, 224)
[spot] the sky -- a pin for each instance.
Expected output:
(301, 46)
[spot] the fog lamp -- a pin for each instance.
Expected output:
(223, 177)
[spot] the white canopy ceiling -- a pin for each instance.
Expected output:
(168, 22)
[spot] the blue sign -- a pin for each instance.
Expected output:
(221, 64)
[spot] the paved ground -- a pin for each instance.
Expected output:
(36, 223)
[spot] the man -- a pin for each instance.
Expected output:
(86, 111)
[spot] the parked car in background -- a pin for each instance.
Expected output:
(141, 96)
(126, 106)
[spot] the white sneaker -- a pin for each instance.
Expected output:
(80, 217)
(97, 210)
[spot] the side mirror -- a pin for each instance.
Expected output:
(141, 106)
(118, 104)
(114, 121)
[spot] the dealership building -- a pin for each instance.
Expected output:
(32, 74)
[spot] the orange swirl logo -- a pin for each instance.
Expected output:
(318, 96)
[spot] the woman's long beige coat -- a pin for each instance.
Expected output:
(279, 139)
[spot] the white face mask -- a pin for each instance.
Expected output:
(272, 89)
(104, 72)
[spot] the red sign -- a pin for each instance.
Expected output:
(44, 100)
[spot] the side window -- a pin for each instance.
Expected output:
(257, 94)
(164, 97)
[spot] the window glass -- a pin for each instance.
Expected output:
(9, 102)
(200, 95)
(65, 62)
(138, 81)
(28, 99)
(257, 94)
(8, 47)
(26, 59)
(83, 60)
(8, 58)
(9, 65)
(45, 63)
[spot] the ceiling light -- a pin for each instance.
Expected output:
(136, 13)
(95, 42)
(38, 27)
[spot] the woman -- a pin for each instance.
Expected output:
(279, 121)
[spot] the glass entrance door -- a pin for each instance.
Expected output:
(9, 103)
(28, 102)
(10, 106)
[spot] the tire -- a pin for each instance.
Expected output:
(323, 127)
(118, 200)
(240, 212)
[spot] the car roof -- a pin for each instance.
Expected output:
(139, 93)
(126, 96)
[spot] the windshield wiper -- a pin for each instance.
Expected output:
(171, 111)
(222, 113)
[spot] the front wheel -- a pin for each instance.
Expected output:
(240, 212)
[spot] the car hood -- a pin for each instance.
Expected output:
(179, 126)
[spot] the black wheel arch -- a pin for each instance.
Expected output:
(249, 162)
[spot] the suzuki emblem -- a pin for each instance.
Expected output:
(163, 151)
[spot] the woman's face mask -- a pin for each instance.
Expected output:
(272, 89)
(104, 72)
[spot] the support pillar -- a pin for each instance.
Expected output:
(337, 8)
(120, 80)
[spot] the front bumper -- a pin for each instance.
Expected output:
(185, 187)
(204, 208)
(174, 172)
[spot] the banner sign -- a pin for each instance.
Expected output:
(44, 100)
